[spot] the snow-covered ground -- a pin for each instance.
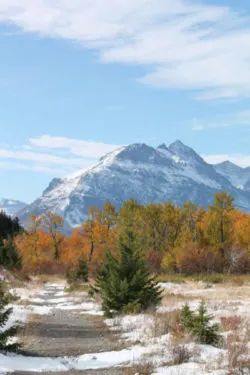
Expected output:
(144, 335)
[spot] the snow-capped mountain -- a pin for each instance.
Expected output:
(176, 173)
(11, 207)
(238, 176)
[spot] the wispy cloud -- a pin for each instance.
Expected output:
(87, 149)
(42, 154)
(15, 166)
(187, 45)
(225, 120)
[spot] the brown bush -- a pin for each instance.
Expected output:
(154, 259)
(238, 357)
(231, 323)
(168, 322)
(180, 354)
(193, 259)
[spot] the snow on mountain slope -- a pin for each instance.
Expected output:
(238, 176)
(135, 171)
(11, 207)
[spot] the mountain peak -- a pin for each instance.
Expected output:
(163, 147)
(178, 143)
(229, 164)
(136, 152)
(11, 206)
(186, 153)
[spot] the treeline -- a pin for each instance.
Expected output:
(185, 239)
(10, 257)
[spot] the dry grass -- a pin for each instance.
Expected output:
(238, 357)
(238, 281)
(145, 368)
(170, 298)
(180, 354)
(168, 322)
(77, 287)
(207, 278)
(231, 323)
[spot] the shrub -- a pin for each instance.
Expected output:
(238, 356)
(166, 322)
(192, 260)
(231, 323)
(200, 326)
(180, 354)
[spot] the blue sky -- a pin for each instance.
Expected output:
(80, 78)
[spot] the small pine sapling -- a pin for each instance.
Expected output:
(200, 325)
(6, 335)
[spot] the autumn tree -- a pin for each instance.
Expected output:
(222, 207)
(109, 216)
(34, 224)
(89, 229)
(154, 227)
(128, 215)
(53, 223)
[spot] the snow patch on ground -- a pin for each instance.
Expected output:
(10, 363)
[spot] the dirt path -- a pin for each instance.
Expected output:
(66, 334)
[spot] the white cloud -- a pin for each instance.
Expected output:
(239, 159)
(42, 155)
(186, 44)
(224, 120)
(87, 149)
(34, 168)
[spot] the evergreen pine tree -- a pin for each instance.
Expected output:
(9, 226)
(80, 272)
(200, 325)
(124, 282)
(187, 318)
(206, 331)
(6, 334)
(9, 255)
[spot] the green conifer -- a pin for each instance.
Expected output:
(9, 255)
(80, 272)
(187, 318)
(206, 331)
(200, 325)
(6, 334)
(124, 282)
